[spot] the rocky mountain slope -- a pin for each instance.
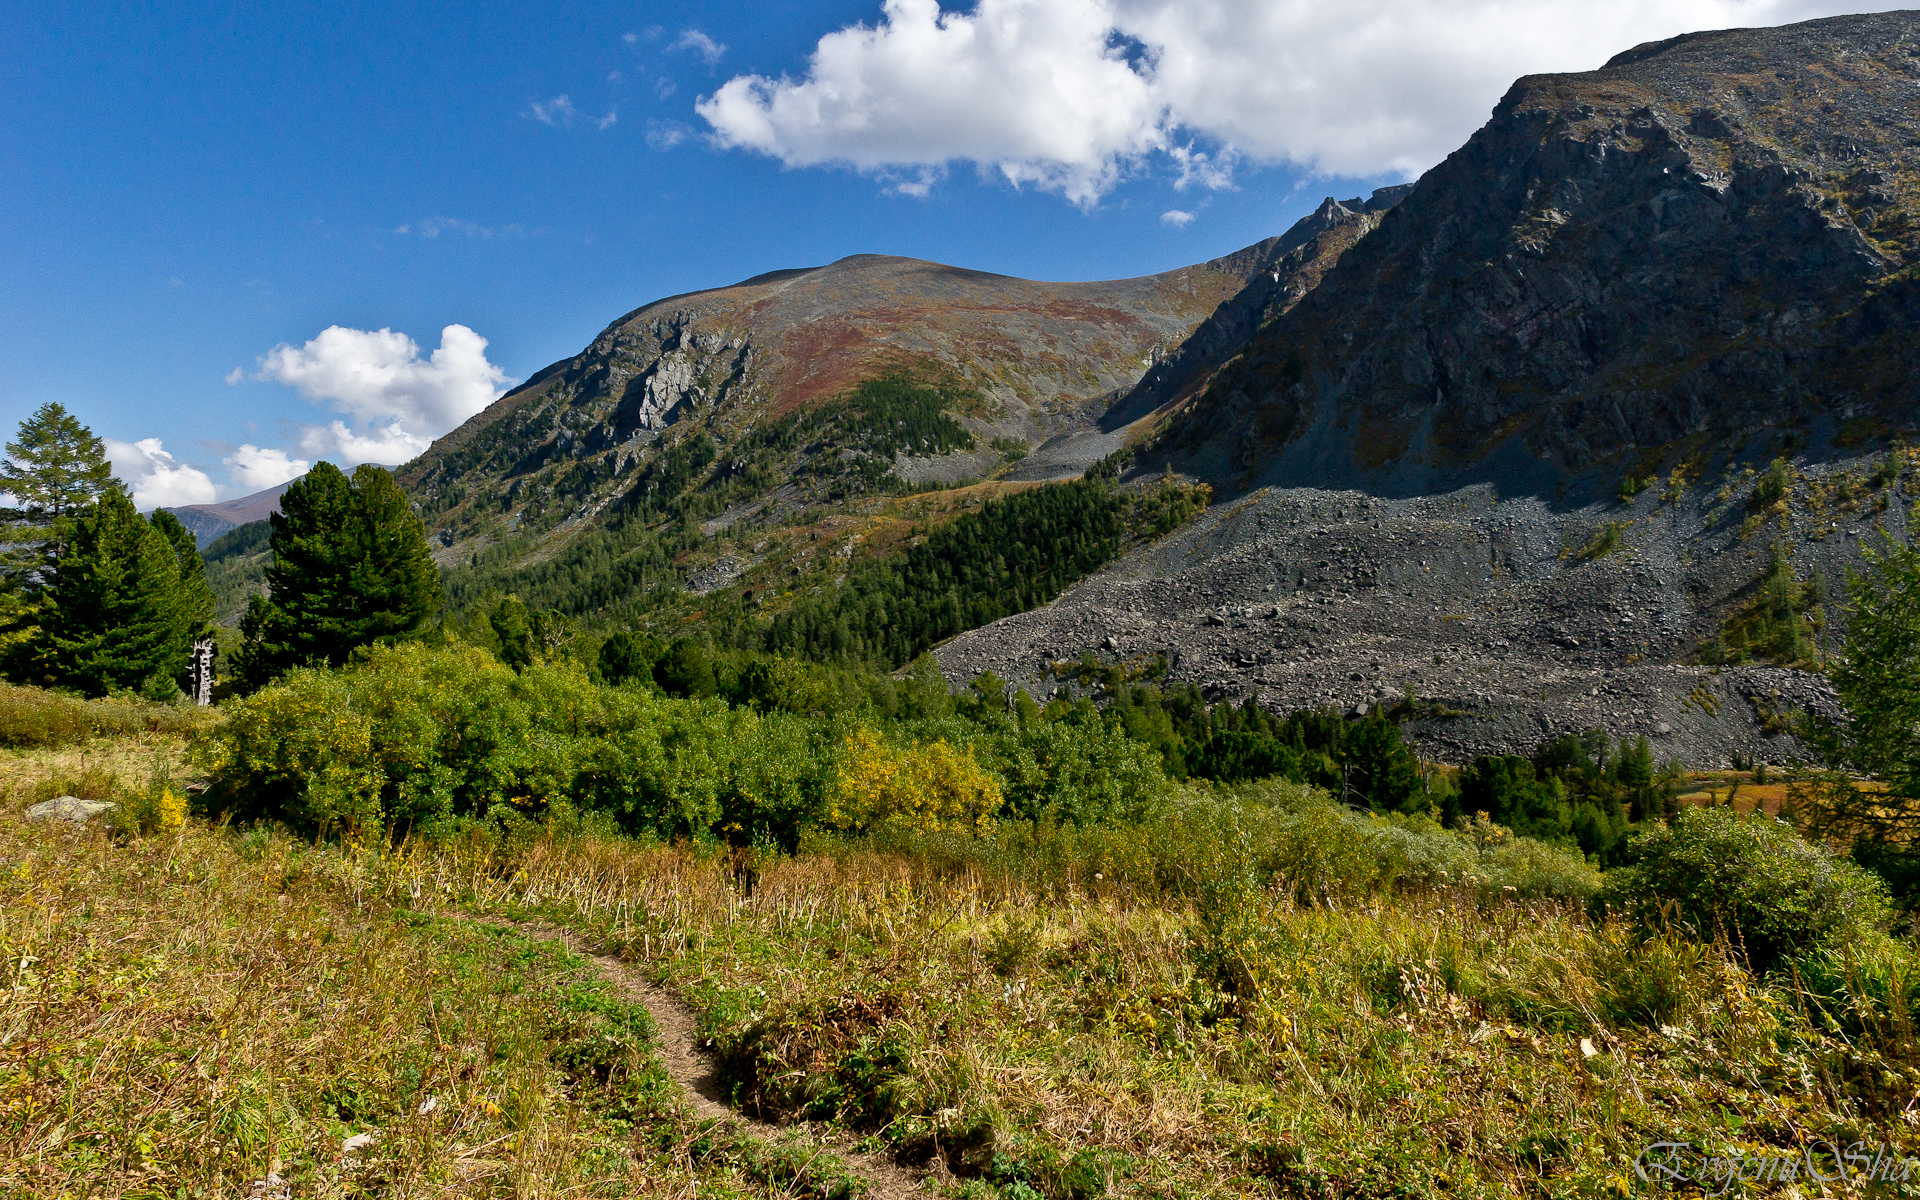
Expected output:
(1708, 236)
(576, 436)
(1510, 456)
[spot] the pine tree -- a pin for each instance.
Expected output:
(115, 617)
(350, 567)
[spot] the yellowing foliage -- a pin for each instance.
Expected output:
(930, 785)
(156, 810)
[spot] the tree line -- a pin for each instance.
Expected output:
(99, 600)
(94, 598)
(1014, 554)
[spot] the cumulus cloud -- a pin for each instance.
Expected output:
(155, 477)
(255, 470)
(1071, 95)
(394, 401)
(1177, 218)
(697, 41)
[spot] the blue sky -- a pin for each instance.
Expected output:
(190, 194)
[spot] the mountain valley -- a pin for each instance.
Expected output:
(1491, 448)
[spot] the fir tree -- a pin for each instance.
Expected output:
(350, 567)
(193, 597)
(116, 616)
(57, 467)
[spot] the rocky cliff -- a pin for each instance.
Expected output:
(1708, 237)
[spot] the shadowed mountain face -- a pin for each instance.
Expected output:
(727, 359)
(1713, 235)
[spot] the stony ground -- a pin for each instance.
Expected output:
(1483, 608)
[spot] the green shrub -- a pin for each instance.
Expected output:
(1751, 880)
(1773, 486)
(1270, 837)
(413, 737)
(421, 738)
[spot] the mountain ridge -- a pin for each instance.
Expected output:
(209, 521)
(1668, 246)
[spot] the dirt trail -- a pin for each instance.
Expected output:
(694, 1072)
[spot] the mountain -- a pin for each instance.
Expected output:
(1587, 430)
(1038, 354)
(1708, 236)
(714, 438)
(208, 521)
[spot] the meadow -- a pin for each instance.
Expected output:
(1246, 992)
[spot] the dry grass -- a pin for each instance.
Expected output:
(189, 1012)
(184, 1016)
(1077, 1045)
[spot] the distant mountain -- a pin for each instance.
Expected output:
(208, 521)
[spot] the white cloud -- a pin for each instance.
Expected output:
(255, 470)
(557, 111)
(665, 135)
(388, 445)
(665, 87)
(397, 401)
(709, 50)
(433, 227)
(1071, 95)
(1176, 218)
(155, 478)
(561, 112)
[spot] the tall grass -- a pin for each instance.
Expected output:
(32, 716)
(194, 1014)
(1258, 995)
(1034, 1026)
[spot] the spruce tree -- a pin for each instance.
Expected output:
(350, 567)
(193, 597)
(115, 615)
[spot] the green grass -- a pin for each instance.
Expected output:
(31, 716)
(1064, 1041)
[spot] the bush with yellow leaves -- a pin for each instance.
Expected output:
(928, 785)
(159, 809)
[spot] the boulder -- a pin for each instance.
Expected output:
(69, 808)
